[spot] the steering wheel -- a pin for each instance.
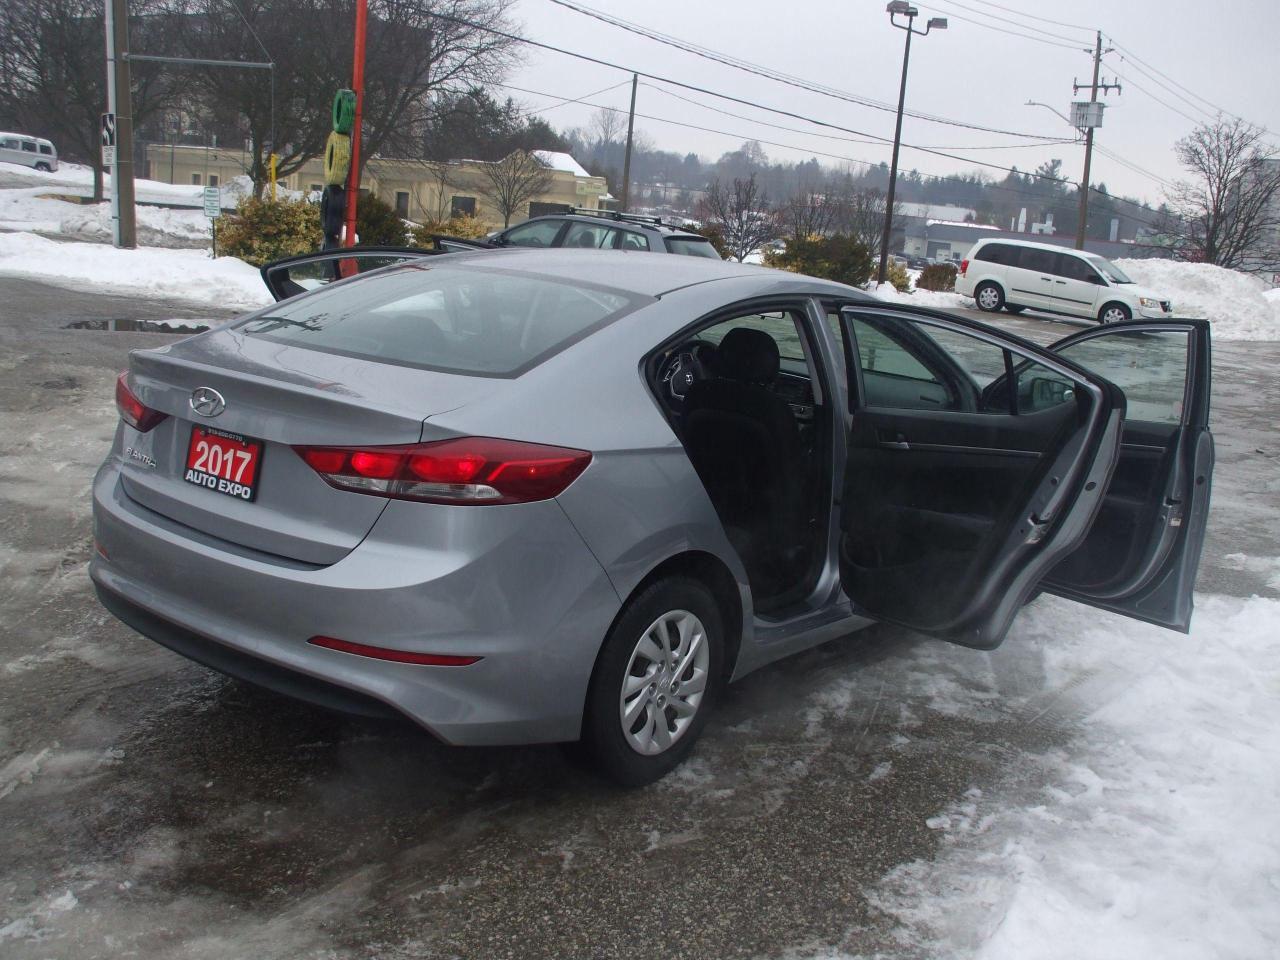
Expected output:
(684, 367)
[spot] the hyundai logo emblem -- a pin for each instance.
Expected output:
(207, 401)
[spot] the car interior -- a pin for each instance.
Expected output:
(742, 395)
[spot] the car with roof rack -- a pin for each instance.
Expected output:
(586, 228)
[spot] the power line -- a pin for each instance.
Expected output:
(1132, 166)
(827, 136)
(991, 26)
(1144, 90)
(1065, 41)
(726, 60)
(1138, 63)
(1032, 16)
(565, 103)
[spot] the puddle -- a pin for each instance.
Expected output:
(142, 326)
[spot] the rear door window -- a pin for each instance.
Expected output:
(1042, 261)
(460, 320)
(692, 247)
(28, 146)
(46, 149)
(590, 236)
(633, 241)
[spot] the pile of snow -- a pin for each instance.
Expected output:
(36, 211)
(172, 274)
(938, 299)
(1151, 832)
(1240, 306)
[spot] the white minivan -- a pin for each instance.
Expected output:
(1016, 274)
(29, 151)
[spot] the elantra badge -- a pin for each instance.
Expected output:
(207, 401)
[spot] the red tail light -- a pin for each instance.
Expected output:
(468, 470)
(964, 267)
(132, 410)
(397, 656)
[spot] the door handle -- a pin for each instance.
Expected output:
(1059, 281)
(899, 442)
(1046, 279)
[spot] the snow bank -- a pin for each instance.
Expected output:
(938, 299)
(1240, 306)
(178, 274)
(1152, 832)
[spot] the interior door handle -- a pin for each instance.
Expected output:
(898, 443)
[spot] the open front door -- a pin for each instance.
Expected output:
(1141, 555)
(959, 493)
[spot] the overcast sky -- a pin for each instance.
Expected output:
(1223, 52)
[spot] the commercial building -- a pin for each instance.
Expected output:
(418, 189)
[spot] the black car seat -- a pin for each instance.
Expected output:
(744, 442)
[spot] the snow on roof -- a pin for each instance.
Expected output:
(561, 161)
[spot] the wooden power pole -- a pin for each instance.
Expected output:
(1083, 224)
(626, 159)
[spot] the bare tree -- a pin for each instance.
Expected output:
(54, 79)
(416, 49)
(607, 126)
(512, 182)
(1229, 212)
(808, 214)
(742, 213)
(859, 213)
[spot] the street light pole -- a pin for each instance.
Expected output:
(900, 7)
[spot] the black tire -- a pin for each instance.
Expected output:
(603, 741)
(1014, 308)
(994, 301)
(1114, 313)
(43, 167)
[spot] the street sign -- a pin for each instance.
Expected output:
(108, 139)
(212, 203)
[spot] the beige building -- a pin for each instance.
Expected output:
(420, 190)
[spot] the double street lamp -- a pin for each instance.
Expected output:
(900, 8)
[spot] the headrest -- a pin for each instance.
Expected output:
(746, 354)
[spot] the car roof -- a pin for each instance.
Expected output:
(1055, 247)
(633, 273)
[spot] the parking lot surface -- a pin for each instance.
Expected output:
(151, 808)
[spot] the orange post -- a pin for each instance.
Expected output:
(357, 84)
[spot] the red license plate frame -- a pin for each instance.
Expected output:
(223, 462)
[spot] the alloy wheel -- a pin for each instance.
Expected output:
(664, 683)
(989, 298)
(1113, 315)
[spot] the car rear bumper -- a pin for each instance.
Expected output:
(513, 585)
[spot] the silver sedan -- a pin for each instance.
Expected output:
(537, 496)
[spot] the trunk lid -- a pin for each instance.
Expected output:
(282, 396)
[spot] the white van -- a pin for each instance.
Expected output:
(1016, 274)
(29, 151)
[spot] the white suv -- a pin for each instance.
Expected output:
(29, 151)
(1017, 274)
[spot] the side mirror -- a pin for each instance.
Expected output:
(1046, 393)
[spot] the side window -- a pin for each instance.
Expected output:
(1042, 261)
(892, 373)
(195, 179)
(994, 253)
(462, 207)
(538, 233)
(402, 204)
(634, 241)
(1150, 367)
(46, 149)
(28, 146)
(1073, 268)
(590, 236)
(9, 143)
(213, 180)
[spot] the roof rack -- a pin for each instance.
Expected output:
(617, 215)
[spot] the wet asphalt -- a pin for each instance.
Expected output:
(150, 808)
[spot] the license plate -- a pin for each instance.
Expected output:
(223, 462)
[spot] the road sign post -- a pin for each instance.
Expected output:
(213, 210)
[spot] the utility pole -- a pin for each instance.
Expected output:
(120, 103)
(895, 9)
(1083, 224)
(626, 160)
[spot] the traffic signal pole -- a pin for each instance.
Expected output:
(357, 84)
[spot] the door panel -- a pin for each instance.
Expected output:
(1031, 280)
(1142, 553)
(1076, 286)
(951, 516)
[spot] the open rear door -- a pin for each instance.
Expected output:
(1141, 555)
(291, 276)
(959, 493)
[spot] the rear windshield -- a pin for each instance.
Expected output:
(443, 318)
(692, 247)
